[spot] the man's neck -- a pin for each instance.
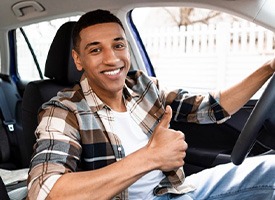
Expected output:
(117, 104)
(114, 101)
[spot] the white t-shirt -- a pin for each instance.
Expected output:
(132, 139)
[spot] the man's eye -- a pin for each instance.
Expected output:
(95, 50)
(119, 46)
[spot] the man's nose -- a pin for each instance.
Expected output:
(110, 57)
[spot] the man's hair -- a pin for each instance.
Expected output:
(92, 18)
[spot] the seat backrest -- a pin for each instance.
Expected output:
(62, 73)
(10, 124)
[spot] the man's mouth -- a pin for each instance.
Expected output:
(113, 72)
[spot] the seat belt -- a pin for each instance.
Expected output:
(8, 120)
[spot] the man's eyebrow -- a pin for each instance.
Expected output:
(91, 44)
(119, 38)
(97, 43)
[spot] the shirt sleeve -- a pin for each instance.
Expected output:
(57, 150)
(202, 109)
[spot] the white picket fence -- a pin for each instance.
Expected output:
(201, 38)
(203, 58)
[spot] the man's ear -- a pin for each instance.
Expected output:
(77, 60)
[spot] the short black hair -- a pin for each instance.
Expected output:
(92, 18)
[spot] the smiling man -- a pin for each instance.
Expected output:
(103, 54)
(109, 137)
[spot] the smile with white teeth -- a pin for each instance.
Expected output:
(112, 73)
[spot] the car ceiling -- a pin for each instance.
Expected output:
(18, 13)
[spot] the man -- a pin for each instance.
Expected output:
(109, 136)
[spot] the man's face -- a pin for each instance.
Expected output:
(104, 56)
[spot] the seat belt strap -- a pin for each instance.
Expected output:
(8, 120)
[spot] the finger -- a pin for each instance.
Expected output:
(165, 121)
(181, 134)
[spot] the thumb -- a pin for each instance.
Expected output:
(166, 118)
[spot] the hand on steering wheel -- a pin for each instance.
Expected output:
(260, 113)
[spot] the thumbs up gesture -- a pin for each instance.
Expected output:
(167, 146)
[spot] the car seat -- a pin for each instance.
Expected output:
(11, 151)
(61, 73)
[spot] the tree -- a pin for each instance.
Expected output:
(186, 16)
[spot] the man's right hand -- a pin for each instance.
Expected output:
(167, 146)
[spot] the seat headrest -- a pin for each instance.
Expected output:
(59, 64)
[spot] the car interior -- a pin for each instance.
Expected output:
(20, 100)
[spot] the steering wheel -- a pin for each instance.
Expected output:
(250, 131)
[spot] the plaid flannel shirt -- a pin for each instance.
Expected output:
(76, 133)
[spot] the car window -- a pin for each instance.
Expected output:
(39, 36)
(201, 50)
